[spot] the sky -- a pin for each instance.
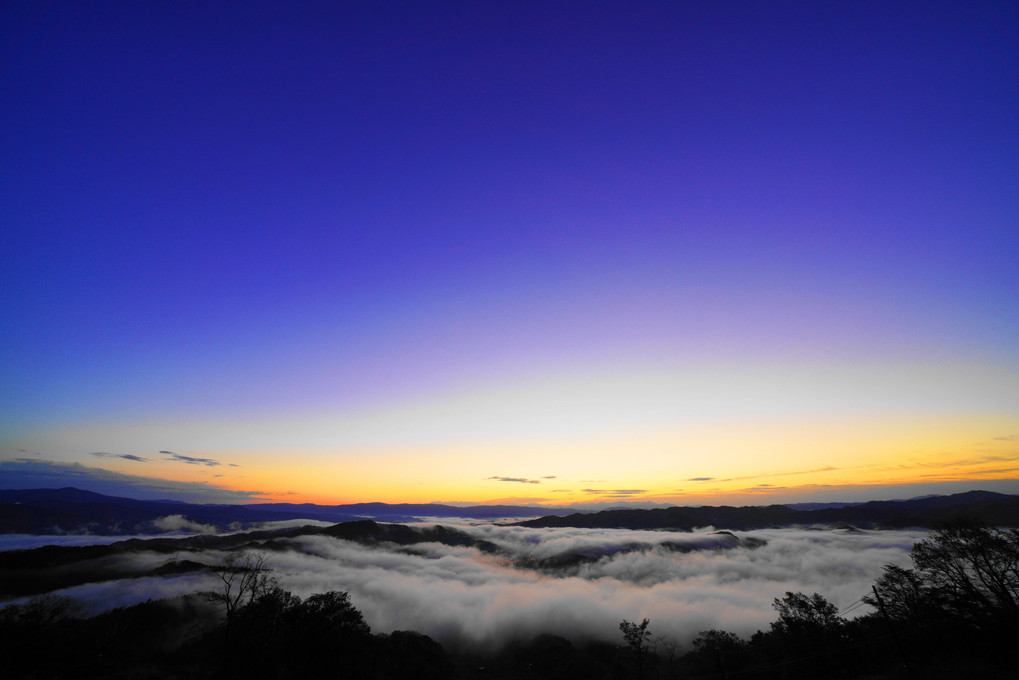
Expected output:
(534, 252)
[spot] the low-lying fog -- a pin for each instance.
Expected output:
(173, 526)
(461, 596)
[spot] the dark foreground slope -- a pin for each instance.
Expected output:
(992, 508)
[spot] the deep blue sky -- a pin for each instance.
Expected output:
(213, 209)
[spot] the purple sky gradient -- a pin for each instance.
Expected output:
(227, 210)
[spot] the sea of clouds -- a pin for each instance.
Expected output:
(170, 526)
(466, 598)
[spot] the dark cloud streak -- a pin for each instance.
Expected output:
(191, 460)
(125, 456)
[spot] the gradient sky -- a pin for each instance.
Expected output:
(553, 252)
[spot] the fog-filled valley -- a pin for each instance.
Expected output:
(515, 599)
(521, 582)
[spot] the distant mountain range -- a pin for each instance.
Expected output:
(993, 508)
(70, 510)
(39, 570)
(73, 511)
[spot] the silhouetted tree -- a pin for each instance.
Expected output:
(243, 578)
(806, 625)
(268, 616)
(40, 636)
(637, 637)
(667, 653)
(799, 613)
(277, 635)
(718, 651)
(41, 611)
(972, 570)
(333, 612)
(906, 596)
(407, 655)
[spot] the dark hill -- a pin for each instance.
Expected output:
(367, 532)
(993, 508)
(677, 518)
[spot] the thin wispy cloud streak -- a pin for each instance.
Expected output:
(190, 460)
(826, 468)
(615, 492)
(125, 456)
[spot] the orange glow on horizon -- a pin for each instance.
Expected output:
(747, 459)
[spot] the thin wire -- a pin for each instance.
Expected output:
(852, 605)
(853, 608)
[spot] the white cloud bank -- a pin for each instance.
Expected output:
(461, 596)
(180, 523)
